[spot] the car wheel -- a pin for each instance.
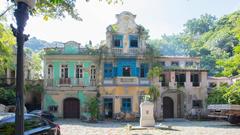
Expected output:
(233, 119)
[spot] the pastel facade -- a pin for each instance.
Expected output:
(119, 75)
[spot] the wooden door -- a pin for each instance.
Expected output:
(71, 108)
(168, 107)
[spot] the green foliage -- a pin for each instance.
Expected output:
(154, 93)
(214, 40)
(216, 95)
(36, 67)
(93, 107)
(34, 88)
(57, 9)
(225, 94)
(7, 96)
(147, 97)
(233, 93)
(156, 71)
(172, 45)
(7, 41)
(201, 25)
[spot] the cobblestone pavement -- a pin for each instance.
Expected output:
(183, 127)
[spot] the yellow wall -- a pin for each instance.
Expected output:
(118, 92)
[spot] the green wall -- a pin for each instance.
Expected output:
(48, 101)
(56, 72)
(71, 66)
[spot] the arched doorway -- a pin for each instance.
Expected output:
(168, 107)
(71, 108)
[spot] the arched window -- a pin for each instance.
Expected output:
(50, 72)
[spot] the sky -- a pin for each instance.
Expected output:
(159, 16)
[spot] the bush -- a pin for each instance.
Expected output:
(7, 96)
(93, 107)
(225, 94)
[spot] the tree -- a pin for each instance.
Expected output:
(154, 72)
(231, 66)
(172, 45)
(201, 25)
(154, 91)
(225, 94)
(7, 42)
(36, 67)
(56, 9)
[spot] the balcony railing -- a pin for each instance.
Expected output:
(131, 52)
(165, 84)
(126, 80)
(50, 82)
(93, 82)
(108, 81)
(180, 84)
(117, 51)
(144, 81)
(77, 82)
(65, 81)
(195, 84)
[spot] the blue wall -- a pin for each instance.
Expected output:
(127, 62)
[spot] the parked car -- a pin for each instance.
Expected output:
(228, 111)
(33, 124)
(44, 114)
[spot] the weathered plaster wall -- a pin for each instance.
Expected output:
(118, 92)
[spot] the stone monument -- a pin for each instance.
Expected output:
(146, 118)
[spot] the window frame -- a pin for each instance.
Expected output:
(79, 71)
(133, 38)
(117, 37)
(93, 72)
(50, 71)
(64, 71)
(123, 107)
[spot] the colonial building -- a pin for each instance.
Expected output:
(118, 73)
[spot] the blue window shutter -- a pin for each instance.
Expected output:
(146, 70)
(115, 73)
(137, 72)
(108, 71)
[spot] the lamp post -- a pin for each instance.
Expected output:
(21, 14)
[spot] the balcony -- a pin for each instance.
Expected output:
(93, 82)
(131, 52)
(117, 51)
(180, 84)
(49, 82)
(126, 80)
(108, 81)
(65, 81)
(77, 82)
(195, 84)
(164, 84)
(144, 81)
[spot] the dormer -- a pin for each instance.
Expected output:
(125, 37)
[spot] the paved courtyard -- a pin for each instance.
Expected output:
(179, 127)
